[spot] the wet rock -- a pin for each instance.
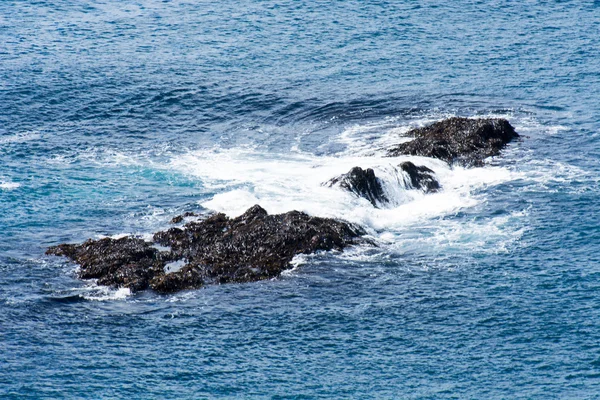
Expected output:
(421, 177)
(255, 245)
(457, 140)
(219, 249)
(125, 262)
(181, 217)
(188, 277)
(363, 183)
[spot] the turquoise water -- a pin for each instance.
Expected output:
(115, 118)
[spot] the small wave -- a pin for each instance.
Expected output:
(105, 293)
(90, 292)
(297, 261)
(552, 176)
(101, 157)
(70, 299)
(557, 129)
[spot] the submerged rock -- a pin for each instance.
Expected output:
(251, 247)
(421, 177)
(363, 183)
(464, 141)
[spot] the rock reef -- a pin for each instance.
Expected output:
(457, 140)
(363, 183)
(256, 245)
(251, 247)
(421, 177)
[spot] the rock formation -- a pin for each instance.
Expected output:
(255, 245)
(421, 177)
(362, 183)
(464, 141)
(251, 247)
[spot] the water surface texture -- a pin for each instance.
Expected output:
(116, 117)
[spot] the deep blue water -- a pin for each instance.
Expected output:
(114, 118)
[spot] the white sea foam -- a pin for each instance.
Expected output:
(281, 183)
(104, 293)
(438, 225)
(557, 129)
(9, 185)
(412, 221)
(296, 262)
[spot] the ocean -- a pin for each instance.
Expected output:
(115, 117)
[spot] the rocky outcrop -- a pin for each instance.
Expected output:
(255, 245)
(126, 262)
(457, 140)
(421, 177)
(363, 183)
(251, 247)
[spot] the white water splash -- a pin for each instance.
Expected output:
(9, 185)
(95, 292)
(413, 220)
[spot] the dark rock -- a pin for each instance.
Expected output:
(126, 262)
(362, 183)
(188, 277)
(251, 247)
(255, 245)
(421, 177)
(463, 141)
(181, 217)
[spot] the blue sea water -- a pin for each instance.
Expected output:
(117, 116)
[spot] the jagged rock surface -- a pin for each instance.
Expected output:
(464, 141)
(421, 177)
(251, 247)
(363, 183)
